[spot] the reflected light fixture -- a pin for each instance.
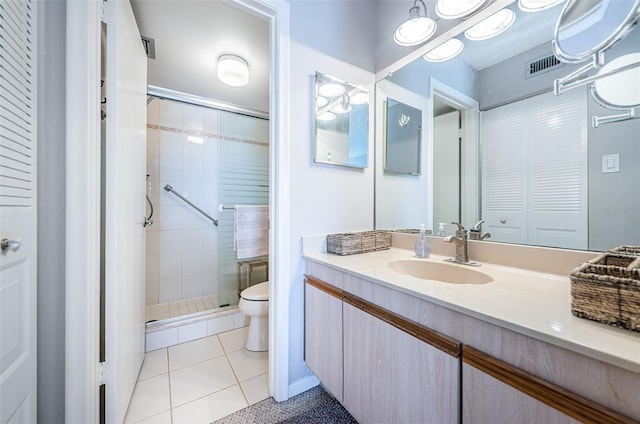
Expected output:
(455, 9)
(417, 28)
(321, 101)
(233, 70)
(359, 98)
(344, 106)
(491, 26)
(327, 117)
(331, 89)
(537, 5)
(445, 51)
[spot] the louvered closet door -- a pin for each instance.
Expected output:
(558, 170)
(17, 212)
(534, 171)
(504, 172)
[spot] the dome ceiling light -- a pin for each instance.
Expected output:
(491, 26)
(537, 5)
(331, 89)
(445, 51)
(417, 28)
(360, 98)
(233, 70)
(455, 9)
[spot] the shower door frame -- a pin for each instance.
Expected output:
(82, 244)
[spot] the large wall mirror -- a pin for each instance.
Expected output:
(499, 146)
(341, 122)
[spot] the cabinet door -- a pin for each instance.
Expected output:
(323, 334)
(497, 392)
(391, 376)
(488, 400)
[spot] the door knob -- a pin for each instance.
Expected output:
(6, 245)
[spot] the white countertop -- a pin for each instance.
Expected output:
(530, 303)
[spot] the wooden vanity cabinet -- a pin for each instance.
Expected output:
(496, 392)
(392, 376)
(323, 322)
(382, 367)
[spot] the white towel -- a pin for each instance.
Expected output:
(251, 231)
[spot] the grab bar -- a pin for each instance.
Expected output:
(170, 189)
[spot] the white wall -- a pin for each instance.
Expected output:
(324, 198)
(51, 209)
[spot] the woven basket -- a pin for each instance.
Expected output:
(362, 242)
(607, 289)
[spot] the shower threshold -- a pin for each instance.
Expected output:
(180, 310)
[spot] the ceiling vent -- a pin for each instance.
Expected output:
(542, 65)
(149, 46)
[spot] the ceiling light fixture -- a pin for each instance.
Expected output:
(344, 106)
(417, 28)
(491, 26)
(360, 98)
(537, 5)
(321, 101)
(327, 117)
(233, 70)
(455, 9)
(331, 89)
(447, 50)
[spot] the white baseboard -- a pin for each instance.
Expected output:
(302, 385)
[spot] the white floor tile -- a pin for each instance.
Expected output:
(247, 365)
(155, 363)
(150, 397)
(190, 353)
(162, 418)
(256, 389)
(196, 381)
(210, 408)
(234, 340)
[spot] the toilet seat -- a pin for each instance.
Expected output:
(258, 292)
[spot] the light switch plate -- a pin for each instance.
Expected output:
(610, 163)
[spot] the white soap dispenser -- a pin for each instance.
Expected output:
(422, 248)
(441, 229)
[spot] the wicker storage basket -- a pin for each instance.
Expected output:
(362, 242)
(607, 289)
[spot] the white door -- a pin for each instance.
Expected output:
(446, 169)
(125, 167)
(503, 136)
(18, 212)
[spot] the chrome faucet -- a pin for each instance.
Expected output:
(475, 232)
(460, 241)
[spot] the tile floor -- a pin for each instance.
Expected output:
(199, 381)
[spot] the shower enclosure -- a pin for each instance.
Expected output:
(211, 160)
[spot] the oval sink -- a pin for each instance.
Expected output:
(446, 273)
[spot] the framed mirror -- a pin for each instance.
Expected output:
(403, 138)
(341, 122)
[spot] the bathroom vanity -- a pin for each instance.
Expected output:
(394, 345)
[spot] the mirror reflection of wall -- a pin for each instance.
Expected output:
(341, 122)
(610, 206)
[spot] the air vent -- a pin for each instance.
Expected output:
(542, 65)
(149, 46)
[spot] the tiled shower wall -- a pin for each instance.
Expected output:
(183, 148)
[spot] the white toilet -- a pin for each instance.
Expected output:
(254, 303)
